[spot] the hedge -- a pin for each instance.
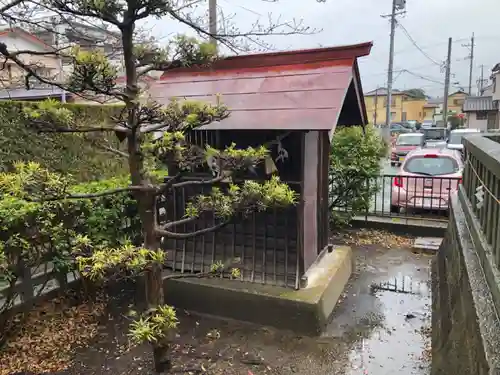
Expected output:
(64, 153)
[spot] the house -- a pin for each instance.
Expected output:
(66, 33)
(481, 112)
(404, 106)
(47, 66)
(433, 108)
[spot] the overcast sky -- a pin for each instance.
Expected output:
(428, 22)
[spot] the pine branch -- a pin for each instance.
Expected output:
(175, 235)
(189, 183)
(100, 194)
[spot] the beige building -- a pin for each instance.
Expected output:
(13, 78)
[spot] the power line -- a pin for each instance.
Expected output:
(428, 46)
(416, 45)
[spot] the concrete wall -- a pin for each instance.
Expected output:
(465, 287)
(474, 123)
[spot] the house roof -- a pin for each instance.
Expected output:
(480, 103)
(382, 91)
(293, 90)
(21, 93)
(26, 35)
(457, 92)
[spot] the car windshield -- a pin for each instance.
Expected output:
(456, 138)
(431, 166)
(435, 134)
(409, 140)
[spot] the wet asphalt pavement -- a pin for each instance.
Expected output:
(386, 312)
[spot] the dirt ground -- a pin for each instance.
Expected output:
(370, 325)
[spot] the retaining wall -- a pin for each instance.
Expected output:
(465, 287)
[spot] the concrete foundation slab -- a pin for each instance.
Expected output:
(305, 311)
(430, 244)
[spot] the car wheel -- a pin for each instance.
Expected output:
(395, 209)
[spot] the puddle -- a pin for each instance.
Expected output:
(385, 313)
(397, 346)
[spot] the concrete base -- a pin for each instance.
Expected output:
(402, 225)
(305, 311)
(427, 244)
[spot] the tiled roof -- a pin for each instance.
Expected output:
(382, 91)
(480, 103)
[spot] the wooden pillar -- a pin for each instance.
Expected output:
(309, 210)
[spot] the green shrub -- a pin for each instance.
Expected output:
(74, 154)
(354, 162)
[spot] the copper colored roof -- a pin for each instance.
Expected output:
(293, 90)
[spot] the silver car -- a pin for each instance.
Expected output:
(455, 138)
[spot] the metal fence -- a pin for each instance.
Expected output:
(411, 197)
(482, 186)
(264, 243)
(34, 283)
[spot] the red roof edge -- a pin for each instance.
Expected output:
(281, 58)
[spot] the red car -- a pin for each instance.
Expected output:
(404, 144)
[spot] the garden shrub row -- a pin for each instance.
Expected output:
(73, 154)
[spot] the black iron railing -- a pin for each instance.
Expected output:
(264, 243)
(425, 197)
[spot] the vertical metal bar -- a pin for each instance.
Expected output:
(193, 261)
(264, 220)
(243, 235)
(214, 242)
(184, 226)
(415, 182)
(406, 194)
(254, 255)
(383, 195)
(367, 206)
(286, 247)
(275, 241)
(174, 212)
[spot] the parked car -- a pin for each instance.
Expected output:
(427, 124)
(405, 143)
(426, 179)
(435, 137)
(455, 138)
(397, 128)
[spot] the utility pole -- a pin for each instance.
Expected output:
(482, 80)
(471, 56)
(212, 21)
(397, 5)
(391, 66)
(447, 84)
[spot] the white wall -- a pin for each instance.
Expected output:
(474, 123)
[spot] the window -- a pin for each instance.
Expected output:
(393, 101)
(410, 140)
(403, 116)
(481, 115)
(458, 102)
(393, 115)
(431, 165)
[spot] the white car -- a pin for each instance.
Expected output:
(455, 138)
(427, 124)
